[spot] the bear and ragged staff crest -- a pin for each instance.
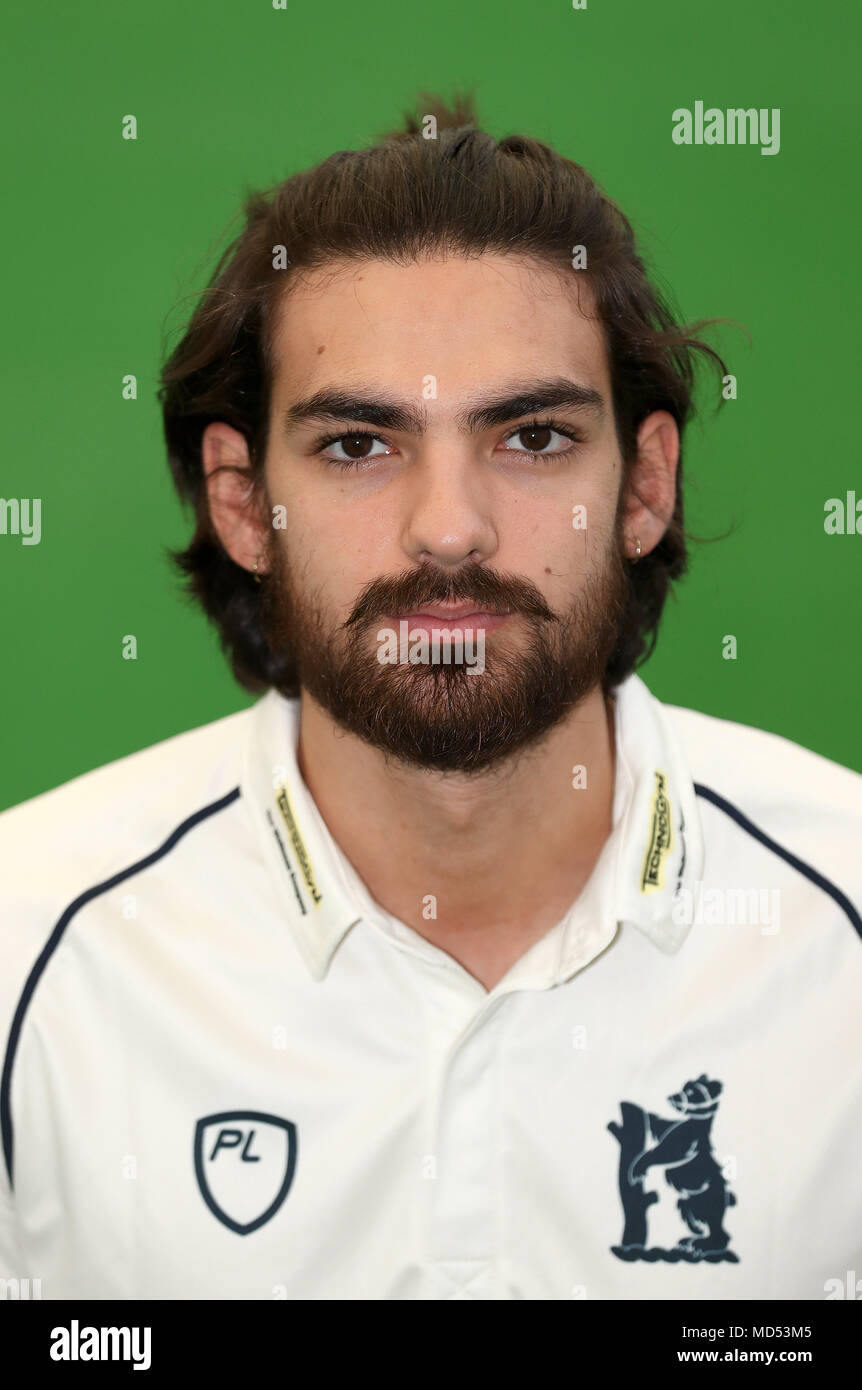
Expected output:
(682, 1147)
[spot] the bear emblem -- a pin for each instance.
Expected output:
(681, 1146)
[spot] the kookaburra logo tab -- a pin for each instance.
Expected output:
(681, 1147)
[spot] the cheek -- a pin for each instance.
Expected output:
(590, 531)
(331, 552)
(560, 540)
(335, 517)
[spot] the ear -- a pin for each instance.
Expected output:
(236, 516)
(651, 494)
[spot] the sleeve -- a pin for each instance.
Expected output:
(21, 936)
(11, 1260)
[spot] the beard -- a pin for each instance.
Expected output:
(439, 716)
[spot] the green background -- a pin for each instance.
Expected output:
(107, 240)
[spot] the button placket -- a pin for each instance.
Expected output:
(462, 1217)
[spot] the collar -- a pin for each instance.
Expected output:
(655, 847)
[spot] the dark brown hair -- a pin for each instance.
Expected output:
(459, 192)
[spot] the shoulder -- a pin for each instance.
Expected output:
(764, 768)
(793, 801)
(66, 842)
(125, 799)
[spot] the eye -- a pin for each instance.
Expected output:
(541, 438)
(355, 448)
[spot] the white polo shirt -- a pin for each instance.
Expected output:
(230, 1074)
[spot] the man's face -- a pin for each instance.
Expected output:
(435, 431)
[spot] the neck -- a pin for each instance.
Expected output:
(503, 853)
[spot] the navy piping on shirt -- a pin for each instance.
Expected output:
(54, 940)
(735, 814)
(56, 935)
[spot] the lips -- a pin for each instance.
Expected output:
(449, 613)
(454, 618)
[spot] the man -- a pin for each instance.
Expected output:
(458, 966)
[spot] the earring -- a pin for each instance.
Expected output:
(255, 573)
(634, 558)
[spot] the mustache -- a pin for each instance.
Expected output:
(491, 592)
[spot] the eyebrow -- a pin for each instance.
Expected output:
(526, 398)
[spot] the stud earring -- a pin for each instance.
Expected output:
(634, 558)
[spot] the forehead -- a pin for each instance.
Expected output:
(465, 321)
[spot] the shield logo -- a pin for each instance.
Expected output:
(244, 1164)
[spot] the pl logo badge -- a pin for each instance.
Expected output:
(682, 1148)
(244, 1164)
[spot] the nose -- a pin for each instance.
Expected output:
(448, 516)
